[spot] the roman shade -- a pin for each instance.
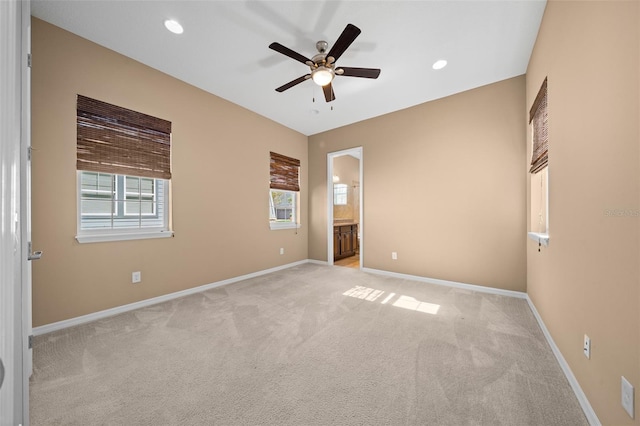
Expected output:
(284, 172)
(539, 118)
(116, 140)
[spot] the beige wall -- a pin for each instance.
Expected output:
(443, 186)
(587, 281)
(220, 184)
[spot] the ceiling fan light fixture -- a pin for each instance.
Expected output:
(322, 75)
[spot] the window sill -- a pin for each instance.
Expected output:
(99, 238)
(539, 238)
(283, 225)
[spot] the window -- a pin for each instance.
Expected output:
(340, 194)
(282, 205)
(123, 163)
(121, 202)
(283, 192)
(539, 121)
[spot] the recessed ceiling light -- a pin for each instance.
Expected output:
(173, 26)
(438, 65)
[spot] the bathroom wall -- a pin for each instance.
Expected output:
(347, 169)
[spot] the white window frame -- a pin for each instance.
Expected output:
(275, 224)
(121, 234)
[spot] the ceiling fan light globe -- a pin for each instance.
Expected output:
(322, 76)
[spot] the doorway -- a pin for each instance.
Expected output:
(345, 208)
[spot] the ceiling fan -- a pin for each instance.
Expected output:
(323, 64)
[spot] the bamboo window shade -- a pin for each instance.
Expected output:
(116, 140)
(284, 172)
(539, 118)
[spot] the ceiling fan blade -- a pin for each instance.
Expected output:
(347, 37)
(290, 53)
(328, 93)
(292, 83)
(358, 72)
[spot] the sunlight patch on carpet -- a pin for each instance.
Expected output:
(404, 302)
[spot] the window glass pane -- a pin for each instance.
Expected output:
(97, 182)
(133, 208)
(282, 206)
(340, 194)
(146, 186)
(97, 194)
(140, 196)
(136, 185)
(133, 184)
(283, 214)
(117, 202)
(146, 207)
(97, 207)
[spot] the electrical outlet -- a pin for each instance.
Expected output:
(586, 347)
(136, 277)
(627, 396)
(394, 255)
(281, 250)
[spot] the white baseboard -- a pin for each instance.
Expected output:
(464, 286)
(592, 418)
(318, 262)
(48, 328)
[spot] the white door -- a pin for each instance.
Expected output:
(25, 201)
(12, 298)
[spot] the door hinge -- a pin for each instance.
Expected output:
(31, 341)
(33, 255)
(29, 153)
(29, 60)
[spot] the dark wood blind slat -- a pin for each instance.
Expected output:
(112, 139)
(122, 115)
(284, 172)
(539, 118)
(536, 103)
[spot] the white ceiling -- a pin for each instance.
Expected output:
(224, 48)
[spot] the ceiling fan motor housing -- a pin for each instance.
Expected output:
(322, 72)
(322, 46)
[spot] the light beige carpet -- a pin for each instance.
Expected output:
(310, 345)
